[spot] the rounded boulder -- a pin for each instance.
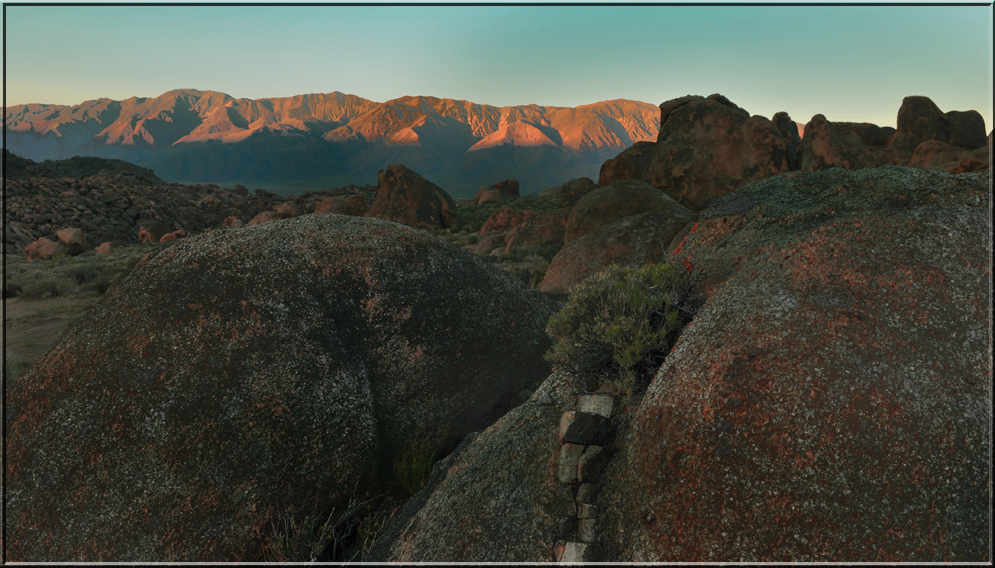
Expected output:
(297, 361)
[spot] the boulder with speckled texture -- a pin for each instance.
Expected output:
(299, 358)
(405, 197)
(831, 401)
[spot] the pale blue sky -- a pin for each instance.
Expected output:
(850, 63)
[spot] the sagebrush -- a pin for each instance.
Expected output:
(619, 324)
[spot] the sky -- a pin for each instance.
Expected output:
(849, 63)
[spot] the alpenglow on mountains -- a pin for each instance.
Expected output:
(323, 140)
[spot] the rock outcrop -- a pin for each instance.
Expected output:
(296, 361)
(504, 219)
(707, 147)
(405, 197)
(506, 189)
(342, 205)
(829, 402)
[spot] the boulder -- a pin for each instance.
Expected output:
(267, 216)
(844, 145)
(104, 248)
(74, 239)
(937, 155)
(976, 161)
(506, 189)
(543, 229)
(44, 249)
(342, 205)
(405, 197)
(243, 399)
(232, 221)
(288, 209)
(613, 202)
(966, 129)
(919, 120)
(633, 241)
(151, 232)
(504, 219)
(707, 147)
(831, 401)
(177, 234)
(631, 163)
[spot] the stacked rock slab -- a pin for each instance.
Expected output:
(584, 435)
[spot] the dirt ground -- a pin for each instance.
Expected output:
(31, 327)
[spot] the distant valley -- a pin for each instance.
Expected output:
(290, 145)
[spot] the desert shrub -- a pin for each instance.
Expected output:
(43, 289)
(83, 273)
(11, 290)
(413, 467)
(619, 324)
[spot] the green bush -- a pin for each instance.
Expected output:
(619, 325)
(83, 273)
(43, 289)
(11, 290)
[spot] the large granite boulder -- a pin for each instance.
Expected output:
(618, 200)
(74, 239)
(829, 402)
(919, 120)
(505, 189)
(846, 145)
(504, 219)
(707, 147)
(295, 362)
(342, 205)
(44, 249)
(405, 197)
(546, 228)
(632, 241)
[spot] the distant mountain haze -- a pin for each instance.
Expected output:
(325, 140)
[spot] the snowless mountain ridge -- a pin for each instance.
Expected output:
(188, 115)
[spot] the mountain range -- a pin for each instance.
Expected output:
(326, 140)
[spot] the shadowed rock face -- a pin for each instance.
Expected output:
(830, 401)
(496, 498)
(405, 197)
(634, 241)
(253, 371)
(608, 204)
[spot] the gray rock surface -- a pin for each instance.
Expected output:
(247, 373)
